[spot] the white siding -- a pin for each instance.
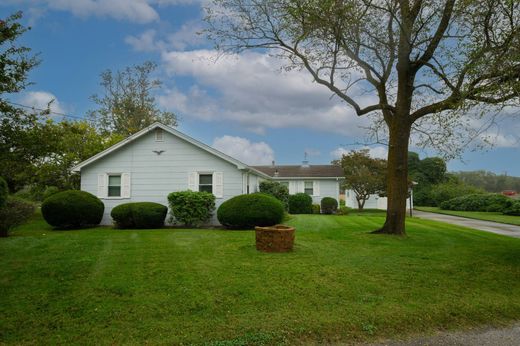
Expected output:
(154, 176)
(325, 187)
(373, 202)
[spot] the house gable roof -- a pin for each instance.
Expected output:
(298, 171)
(237, 163)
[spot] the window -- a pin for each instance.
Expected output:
(309, 188)
(206, 182)
(114, 185)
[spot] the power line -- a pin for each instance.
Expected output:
(44, 110)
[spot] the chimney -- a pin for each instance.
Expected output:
(276, 173)
(272, 163)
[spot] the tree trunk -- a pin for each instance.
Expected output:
(397, 179)
(360, 203)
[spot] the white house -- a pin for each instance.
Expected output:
(157, 160)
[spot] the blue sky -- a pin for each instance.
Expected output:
(243, 105)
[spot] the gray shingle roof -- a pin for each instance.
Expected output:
(297, 171)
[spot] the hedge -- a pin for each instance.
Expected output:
(513, 209)
(329, 205)
(191, 208)
(478, 202)
(4, 192)
(248, 211)
(139, 215)
(277, 190)
(72, 209)
(300, 203)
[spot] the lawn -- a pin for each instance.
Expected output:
(479, 215)
(173, 286)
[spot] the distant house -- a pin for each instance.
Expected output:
(157, 160)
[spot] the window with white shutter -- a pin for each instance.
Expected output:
(102, 186)
(316, 187)
(218, 184)
(125, 185)
(193, 178)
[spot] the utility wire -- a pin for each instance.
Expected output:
(45, 110)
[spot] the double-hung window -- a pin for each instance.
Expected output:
(309, 188)
(206, 182)
(114, 185)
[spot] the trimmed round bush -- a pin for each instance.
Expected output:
(329, 205)
(139, 215)
(248, 211)
(72, 209)
(15, 212)
(4, 192)
(478, 202)
(300, 203)
(49, 191)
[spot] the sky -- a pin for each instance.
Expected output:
(245, 105)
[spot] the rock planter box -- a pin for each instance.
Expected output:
(277, 238)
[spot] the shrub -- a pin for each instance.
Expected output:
(343, 210)
(72, 209)
(342, 202)
(277, 190)
(513, 209)
(248, 211)
(4, 192)
(139, 215)
(316, 209)
(191, 208)
(15, 212)
(300, 203)
(478, 202)
(49, 191)
(329, 205)
(446, 191)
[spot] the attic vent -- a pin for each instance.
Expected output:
(158, 135)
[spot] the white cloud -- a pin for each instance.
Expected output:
(40, 99)
(259, 153)
(144, 42)
(378, 152)
(251, 90)
(186, 37)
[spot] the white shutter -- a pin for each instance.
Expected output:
(316, 188)
(301, 186)
(192, 181)
(102, 185)
(292, 187)
(218, 184)
(125, 185)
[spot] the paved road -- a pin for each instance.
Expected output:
(488, 226)
(509, 336)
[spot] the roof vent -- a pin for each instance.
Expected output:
(272, 163)
(276, 173)
(305, 162)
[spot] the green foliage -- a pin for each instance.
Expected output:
(427, 173)
(127, 104)
(446, 191)
(4, 192)
(300, 203)
(72, 209)
(248, 211)
(490, 181)
(342, 203)
(49, 191)
(316, 209)
(277, 190)
(478, 202)
(364, 175)
(343, 210)
(191, 208)
(513, 209)
(139, 215)
(329, 205)
(15, 212)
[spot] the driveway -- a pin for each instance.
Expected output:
(488, 226)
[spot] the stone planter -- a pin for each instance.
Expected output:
(277, 238)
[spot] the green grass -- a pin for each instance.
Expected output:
(479, 215)
(168, 286)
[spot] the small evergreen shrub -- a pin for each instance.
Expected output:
(248, 211)
(343, 210)
(72, 209)
(14, 212)
(513, 209)
(316, 209)
(49, 191)
(277, 190)
(342, 202)
(329, 205)
(191, 208)
(478, 202)
(300, 203)
(139, 215)
(4, 192)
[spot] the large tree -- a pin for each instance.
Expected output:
(363, 174)
(421, 60)
(127, 104)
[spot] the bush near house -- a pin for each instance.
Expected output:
(49, 191)
(513, 209)
(4, 192)
(191, 208)
(478, 202)
(248, 211)
(316, 209)
(14, 212)
(300, 203)
(343, 210)
(329, 205)
(139, 215)
(72, 209)
(277, 190)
